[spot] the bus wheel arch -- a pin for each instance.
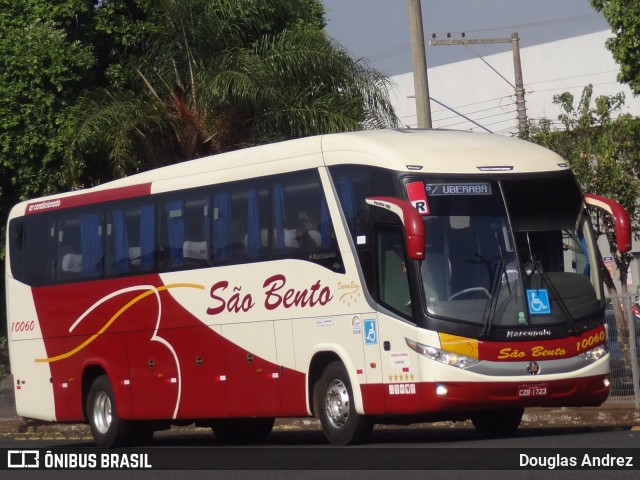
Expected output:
(117, 432)
(107, 428)
(89, 376)
(335, 405)
(317, 366)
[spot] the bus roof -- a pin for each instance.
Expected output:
(426, 151)
(441, 151)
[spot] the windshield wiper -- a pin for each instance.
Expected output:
(495, 290)
(537, 266)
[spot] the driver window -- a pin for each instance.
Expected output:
(393, 280)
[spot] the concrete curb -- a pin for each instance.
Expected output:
(613, 413)
(610, 415)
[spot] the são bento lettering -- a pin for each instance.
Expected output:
(276, 294)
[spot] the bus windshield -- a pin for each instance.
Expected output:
(510, 253)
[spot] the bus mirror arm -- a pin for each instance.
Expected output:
(621, 221)
(411, 220)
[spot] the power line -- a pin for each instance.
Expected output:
(541, 23)
(480, 118)
(398, 49)
(570, 87)
(573, 77)
(471, 113)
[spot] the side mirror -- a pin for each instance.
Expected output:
(621, 221)
(411, 220)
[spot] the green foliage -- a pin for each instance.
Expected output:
(162, 81)
(49, 53)
(603, 151)
(223, 74)
(38, 71)
(624, 18)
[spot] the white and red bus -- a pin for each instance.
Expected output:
(366, 277)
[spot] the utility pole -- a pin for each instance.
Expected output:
(521, 109)
(517, 69)
(419, 59)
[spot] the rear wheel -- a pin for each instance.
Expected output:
(498, 423)
(242, 430)
(334, 405)
(107, 428)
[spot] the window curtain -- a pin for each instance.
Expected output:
(120, 242)
(348, 201)
(253, 224)
(91, 245)
(325, 226)
(222, 207)
(279, 214)
(207, 227)
(147, 238)
(175, 231)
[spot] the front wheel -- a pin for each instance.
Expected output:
(498, 423)
(333, 404)
(107, 428)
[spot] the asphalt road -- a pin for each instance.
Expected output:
(431, 453)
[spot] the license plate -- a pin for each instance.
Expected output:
(533, 390)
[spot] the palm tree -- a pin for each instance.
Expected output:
(225, 74)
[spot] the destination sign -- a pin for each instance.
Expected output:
(434, 189)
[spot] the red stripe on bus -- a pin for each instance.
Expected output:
(89, 198)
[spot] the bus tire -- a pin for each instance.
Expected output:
(502, 423)
(236, 431)
(107, 428)
(334, 406)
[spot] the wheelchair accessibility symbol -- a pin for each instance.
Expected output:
(538, 300)
(370, 332)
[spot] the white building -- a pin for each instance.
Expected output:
(475, 90)
(472, 88)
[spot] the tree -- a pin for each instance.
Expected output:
(604, 153)
(39, 69)
(49, 53)
(221, 75)
(164, 81)
(624, 19)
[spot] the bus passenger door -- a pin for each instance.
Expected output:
(400, 364)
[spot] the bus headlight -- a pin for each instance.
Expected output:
(442, 356)
(595, 353)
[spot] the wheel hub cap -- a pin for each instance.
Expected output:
(337, 403)
(102, 412)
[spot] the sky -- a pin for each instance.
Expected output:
(378, 30)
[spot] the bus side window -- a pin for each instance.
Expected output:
(240, 218)
(32, 249)
(185, 232)
(301, 222)
(80, 246)
(197, 232)
(131, 239)
(173, 214)
(354, 183)
(69, 256)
